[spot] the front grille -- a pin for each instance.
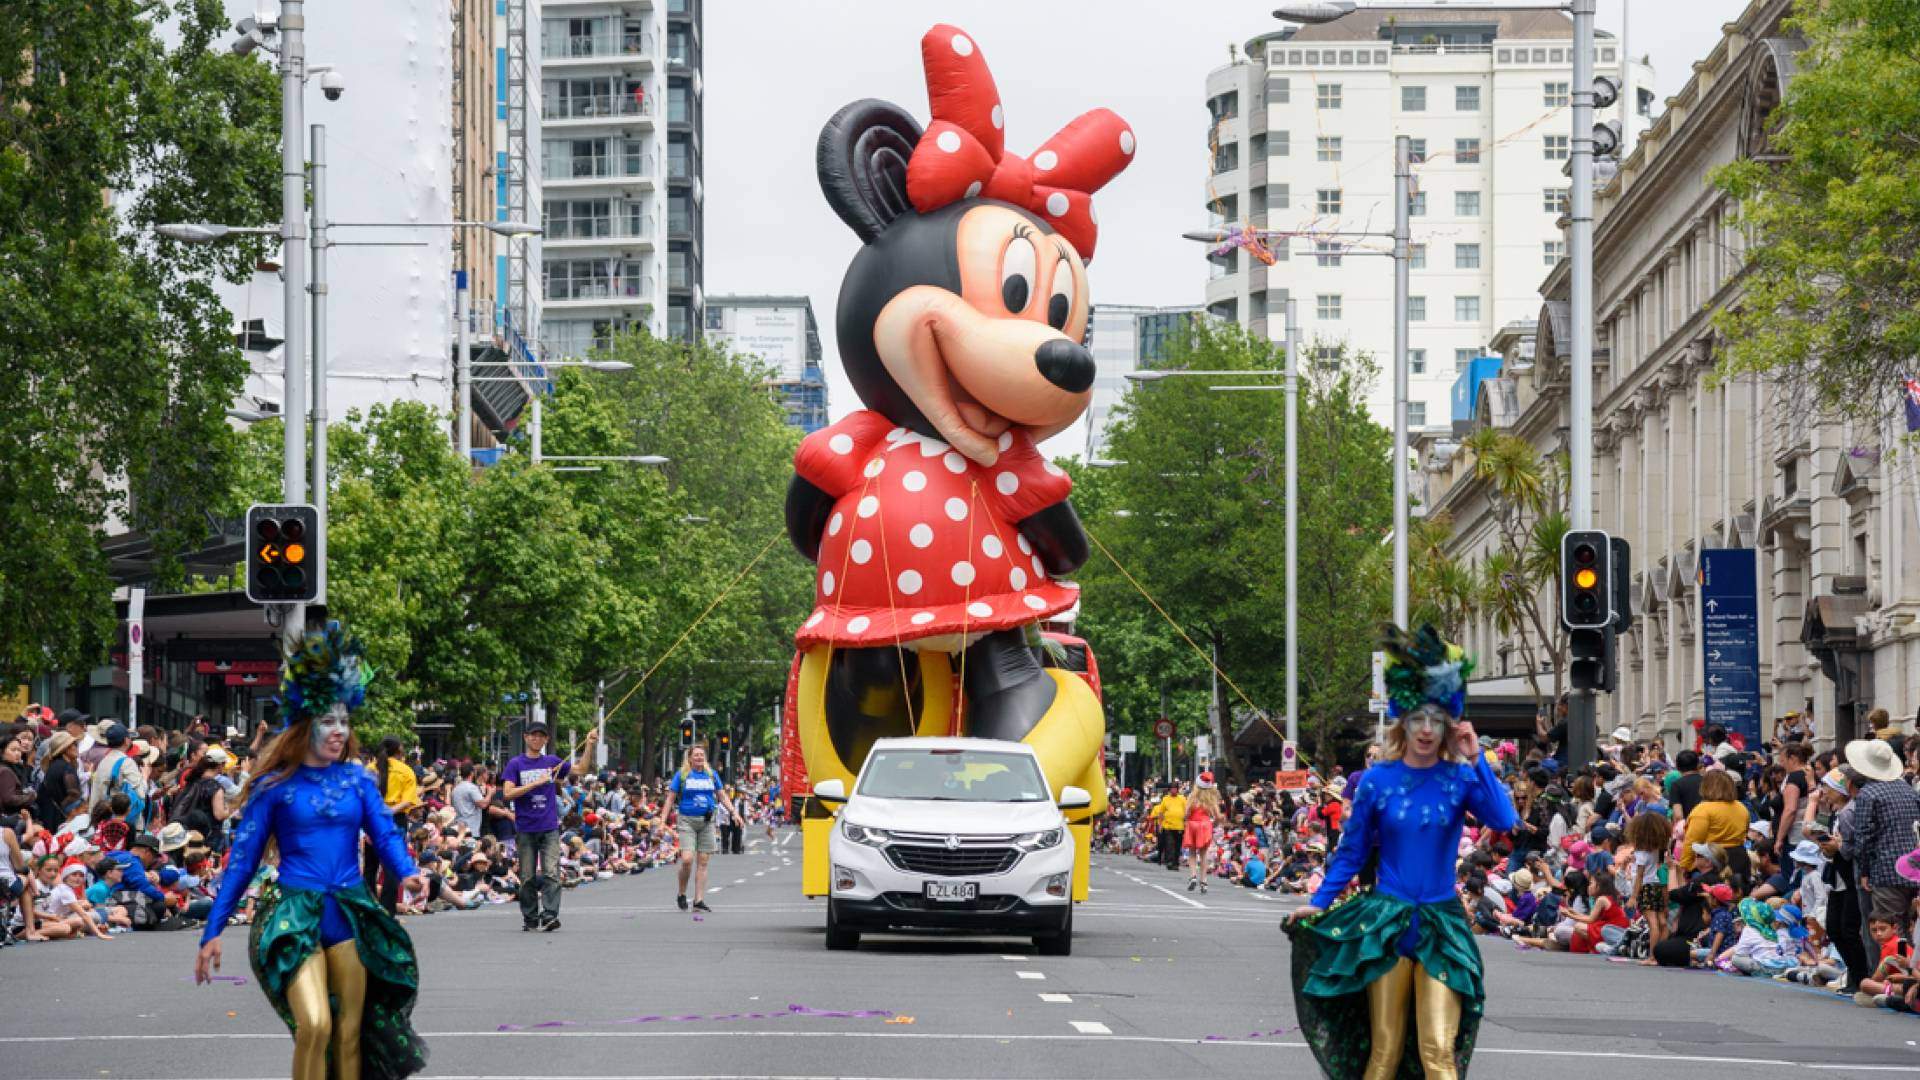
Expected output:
(941, 862)
(903, 901)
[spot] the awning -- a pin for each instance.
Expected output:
(1828, 624)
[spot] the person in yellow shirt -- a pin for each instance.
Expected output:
(1170, 814)
(1719, 820)
(400, 790)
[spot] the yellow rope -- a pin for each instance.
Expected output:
(1205, 657)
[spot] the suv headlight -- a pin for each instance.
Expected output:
(860, 834)
(1039, 841)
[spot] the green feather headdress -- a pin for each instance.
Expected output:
(323, 670)
(1424, 669)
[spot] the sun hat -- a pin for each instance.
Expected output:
(1713, 853)
(1522, 880)
(1873, 759)
(1836, 780)
(1764, 828)
(173, 837)
(1759, 916)
(1806, 851)
(1623, 734)
(1788, 916)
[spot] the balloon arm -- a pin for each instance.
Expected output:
(808, 508)
(1056, 536)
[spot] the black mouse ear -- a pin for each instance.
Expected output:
(862, 160)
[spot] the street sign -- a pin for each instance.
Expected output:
(1129, 744)
(1730, 640)
(1203, 746)
(1377, 701)
(1163, 728)
(1289, 755)
(1291, 780)
(236, 667)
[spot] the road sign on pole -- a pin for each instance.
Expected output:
(1730, 639)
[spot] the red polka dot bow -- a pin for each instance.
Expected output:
(963, 152)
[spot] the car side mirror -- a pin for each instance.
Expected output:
(832, 792)
(1073, 798)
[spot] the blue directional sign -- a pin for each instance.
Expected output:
(1730, 637)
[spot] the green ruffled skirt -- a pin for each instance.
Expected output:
(1336, 955)
(286, 931)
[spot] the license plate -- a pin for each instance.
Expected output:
(953, 890)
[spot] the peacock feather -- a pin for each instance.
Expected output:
(1422, 668)
(324, 669)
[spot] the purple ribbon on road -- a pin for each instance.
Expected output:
(724, 1018)
(1251, 1035)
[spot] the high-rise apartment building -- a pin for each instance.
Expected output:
(1126, 338)
(619, 170)
(781, 331)
(1302, 142)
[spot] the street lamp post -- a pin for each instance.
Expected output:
(293, 222)
(321, 242)
(534, 425)
(1581, 733)
(1402, 192)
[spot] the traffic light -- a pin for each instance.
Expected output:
(1586, 588)
(1591, 659)
(283, 564)
(1622, 569)
(686, 733)
(726, 739)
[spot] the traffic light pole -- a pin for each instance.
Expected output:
(1581, 735)
(293, 255)
(321, 242)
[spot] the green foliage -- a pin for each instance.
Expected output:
(118, 362)
(1833, 270)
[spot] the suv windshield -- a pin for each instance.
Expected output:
(954, 776)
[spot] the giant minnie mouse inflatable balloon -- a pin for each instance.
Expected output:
(938, 529)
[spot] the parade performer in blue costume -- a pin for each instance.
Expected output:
(1387, 984)
(336, 967)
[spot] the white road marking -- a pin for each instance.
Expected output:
(1057, 999)
(1177, 896)
(1090, 1027)
(757, 873)
(1010, 956)
(739, 881)
(1031, 974)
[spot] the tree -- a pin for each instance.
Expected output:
(119, 362)
(1832, 288)
(1520, 578)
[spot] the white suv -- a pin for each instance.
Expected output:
(956, 834)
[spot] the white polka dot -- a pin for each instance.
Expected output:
(1006, 441)
(1091, 216)
(861, 552)
(1033, 602)
(909, 582)
(815, 621)
(921, 535)
(1126, 142)
(826, 583)
(998, 116)
(954, 462)
(1052, 469)
(957, 509)
(948, 141)
(1045, 159)
(921, 618)
(1007, 483)
(963, 573)
(932, 448)
(841, 443)
(868, 507)
(973, 189)
(962, 46)
(1056, 204)
(992, 546)
(834, 523)
(896, 434)
(858, 624)
(914, 481)
(1017, 577)
(1039, 571)
(875, 467)
(979, 610)
(1021, 539)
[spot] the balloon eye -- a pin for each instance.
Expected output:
(1060, 304)
(1016, 273)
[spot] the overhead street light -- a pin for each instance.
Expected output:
(201, 232)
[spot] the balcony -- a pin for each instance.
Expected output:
(598, 110)
(598, 49)
(583, 172)
(629, 5)
(631, 230)
(568, 295)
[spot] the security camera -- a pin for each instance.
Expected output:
(333, 84)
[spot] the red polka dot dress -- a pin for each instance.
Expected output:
(922, 541)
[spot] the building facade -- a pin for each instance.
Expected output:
(1126, 338)
(1302, 142)
(1686, 460)
(620, 170)
(781, 331)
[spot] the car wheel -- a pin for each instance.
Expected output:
(1060, 942)
(839, 938)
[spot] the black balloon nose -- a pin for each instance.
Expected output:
(1066, 364)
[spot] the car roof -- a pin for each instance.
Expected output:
(949, 743)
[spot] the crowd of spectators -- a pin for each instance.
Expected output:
(106, 829)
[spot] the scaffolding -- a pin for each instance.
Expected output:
(519, 307)
(461, 211)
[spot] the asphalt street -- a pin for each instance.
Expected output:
(1161, 983)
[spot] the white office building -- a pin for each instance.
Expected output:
(1303, 132)
(1126, 338)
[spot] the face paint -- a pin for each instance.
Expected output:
(1427, 717)
(333, 722)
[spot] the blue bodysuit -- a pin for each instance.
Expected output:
(317, 816)
(1415, 817)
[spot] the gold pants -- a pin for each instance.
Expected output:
(1436, 1009)
(334, 972)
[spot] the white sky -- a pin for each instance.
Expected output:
(775, 70)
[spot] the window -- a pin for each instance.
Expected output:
(1226, 158)
(1327, 148)
(1416, 151)
(1466, 98)
(1224, 107)
(1326, 356)
(1417, 361)
(1552, 251)
(1279, 144)
(1554, 200)
(1326, 253)
(1279, 197)
(1556, 95)
(1416, 256)
(1417, 204)
(1466, 203)
(1326, 306)
(1327, 95)
(1466, 151)
(1279, 92)
(1416, 309)
(1463, 358)
(1413, 99)
(1416, 414)
(1466, 309)
(679, 104)
(1326, 201)
(1466, 256)
(1555, 147)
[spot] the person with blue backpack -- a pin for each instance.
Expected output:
(693, 793)
(120, 772)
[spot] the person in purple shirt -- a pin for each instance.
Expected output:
(532, 783)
